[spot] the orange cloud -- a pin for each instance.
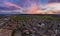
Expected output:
(33, 9)
(53, 8)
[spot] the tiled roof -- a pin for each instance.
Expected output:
(5, 32)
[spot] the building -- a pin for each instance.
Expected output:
(5, 32)
(56, 28)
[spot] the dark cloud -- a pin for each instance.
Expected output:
(51, 1)
(6, 8)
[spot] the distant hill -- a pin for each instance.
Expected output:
(54, 15)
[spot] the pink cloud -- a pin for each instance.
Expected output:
(11, 4)
(55, 6)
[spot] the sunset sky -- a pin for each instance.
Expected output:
(30, 6)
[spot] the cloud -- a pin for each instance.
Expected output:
(51, 1)
(53, 7)
(11, 4)
(50, 8)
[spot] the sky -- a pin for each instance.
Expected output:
(23, 3)
(31, 6)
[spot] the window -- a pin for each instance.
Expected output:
(58, 25)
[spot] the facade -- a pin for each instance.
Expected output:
(11, 25)
(56, 28)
